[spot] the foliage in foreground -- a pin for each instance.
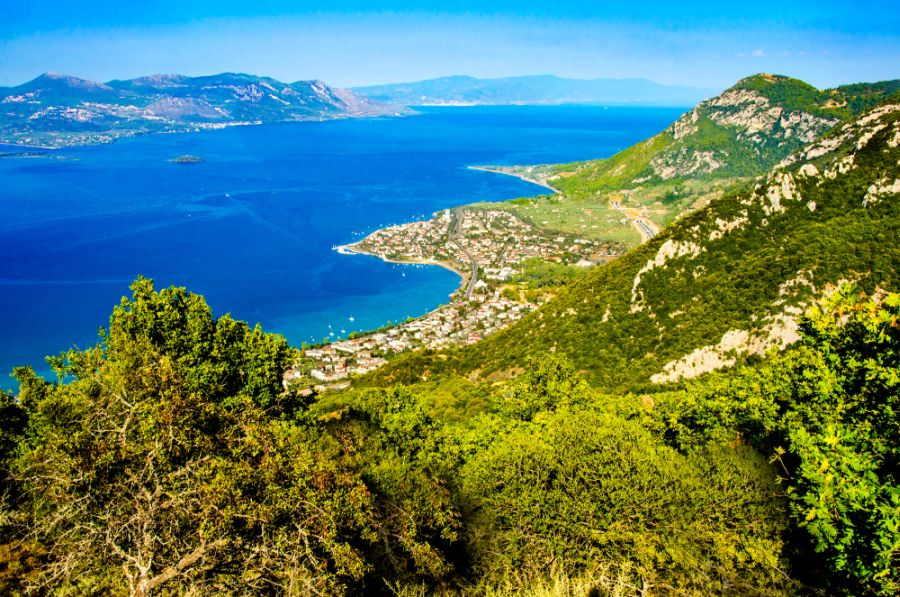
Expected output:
(172, 460)
(169, 459)
(827, 412)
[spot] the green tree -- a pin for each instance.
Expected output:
(170, 459)
(827, 412)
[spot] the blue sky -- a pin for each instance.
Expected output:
(692, 42)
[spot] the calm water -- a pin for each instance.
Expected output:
(252, 228)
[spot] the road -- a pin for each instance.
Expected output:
(648, 232)
(457, 236)
(644, 227)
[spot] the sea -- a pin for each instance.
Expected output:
(254, 225)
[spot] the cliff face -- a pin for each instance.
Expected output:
(59, 110)
(739, 121)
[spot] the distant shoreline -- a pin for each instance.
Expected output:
(496, 170)
(26, 146)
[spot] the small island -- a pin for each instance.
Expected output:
(187, 159)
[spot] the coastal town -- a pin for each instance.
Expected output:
(488, 248)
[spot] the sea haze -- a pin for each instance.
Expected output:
(252, 227)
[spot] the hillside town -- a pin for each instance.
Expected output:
(333, 365)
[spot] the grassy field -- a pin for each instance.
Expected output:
(592, 220)
(594, 217)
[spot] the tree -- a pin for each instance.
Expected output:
(169, 458)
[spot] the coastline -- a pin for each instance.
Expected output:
(467, 278)
(26, 146)
(116, 135)
(497, 170)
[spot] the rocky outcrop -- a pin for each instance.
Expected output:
(753, 122)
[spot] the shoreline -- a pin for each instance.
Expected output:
(465, 277)
(118, 135)
(495, 170)
(26, 146)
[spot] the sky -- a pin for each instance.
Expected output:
(709, 44)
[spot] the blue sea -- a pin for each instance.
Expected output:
(253, 227)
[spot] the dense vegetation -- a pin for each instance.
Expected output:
(827, 413)
(150, 468)
(169, 457)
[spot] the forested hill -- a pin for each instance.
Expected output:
(744, 131)
(724, 283)
(718, 146)
(57, 110)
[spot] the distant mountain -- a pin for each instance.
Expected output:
(58, 110)
(540, 89)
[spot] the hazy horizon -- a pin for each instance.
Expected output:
(697, 44)
(439, 77)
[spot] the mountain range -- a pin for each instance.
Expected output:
(539, 89)
(57, 110)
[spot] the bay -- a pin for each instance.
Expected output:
(253, 225)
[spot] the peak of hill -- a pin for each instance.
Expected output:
(56, 109)
(59, 85)
(728, 281)
(52, 79)
(741, 132)
(534, 89)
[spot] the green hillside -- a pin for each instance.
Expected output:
(718, 146)
(744, 131)
(727, 280)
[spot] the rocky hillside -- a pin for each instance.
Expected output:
(57, 110)
(727, 282)
(742, 132)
